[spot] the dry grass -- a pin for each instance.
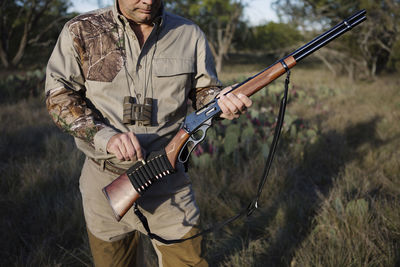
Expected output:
(335, 202)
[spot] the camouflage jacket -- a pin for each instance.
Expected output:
(97, 61)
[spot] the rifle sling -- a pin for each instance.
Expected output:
(254, 203)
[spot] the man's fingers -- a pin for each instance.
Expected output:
(246, 101)
(128, 148)
(136, 145)
(115, 149)
(226, 108)
(236, 104)
(222, 105)
(233, 105)
(125, 146)
(119, 154)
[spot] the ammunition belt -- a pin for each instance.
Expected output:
(144, 173)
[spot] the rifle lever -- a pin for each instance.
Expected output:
(195, 138)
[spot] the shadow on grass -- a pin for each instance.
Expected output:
(42, 222)
(297, 206)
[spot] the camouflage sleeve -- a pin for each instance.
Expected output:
(65, 99)
(71, 113)
(202, 96)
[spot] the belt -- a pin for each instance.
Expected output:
(110, 167)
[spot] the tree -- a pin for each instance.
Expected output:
(25, 24)
(368, 47)
(274, 38)
(217, 18)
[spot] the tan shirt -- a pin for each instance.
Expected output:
(97, 61)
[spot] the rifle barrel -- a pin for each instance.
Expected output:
(330, 35)
(316, 43)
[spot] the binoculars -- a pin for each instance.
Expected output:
(139, 114)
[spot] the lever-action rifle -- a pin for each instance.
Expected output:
(127, 188)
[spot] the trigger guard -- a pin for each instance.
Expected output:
(195, 142)
(189, 151)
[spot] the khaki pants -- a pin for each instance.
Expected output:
(129, 252)
(171, 211)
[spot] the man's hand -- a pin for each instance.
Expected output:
(125, 146)
(233, 105)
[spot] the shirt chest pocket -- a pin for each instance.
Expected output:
(169, 67)
(172, 82)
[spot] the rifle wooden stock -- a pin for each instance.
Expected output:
(121, 194)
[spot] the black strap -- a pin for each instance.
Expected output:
(253, 204)
(281, 116)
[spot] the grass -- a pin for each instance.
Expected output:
(333, 201)
(41, 212)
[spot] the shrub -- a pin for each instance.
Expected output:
(16, 87)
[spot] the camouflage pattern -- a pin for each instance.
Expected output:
(202, 96)
(72, 115)
(99, 42)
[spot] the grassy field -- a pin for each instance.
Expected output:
(332, 199)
